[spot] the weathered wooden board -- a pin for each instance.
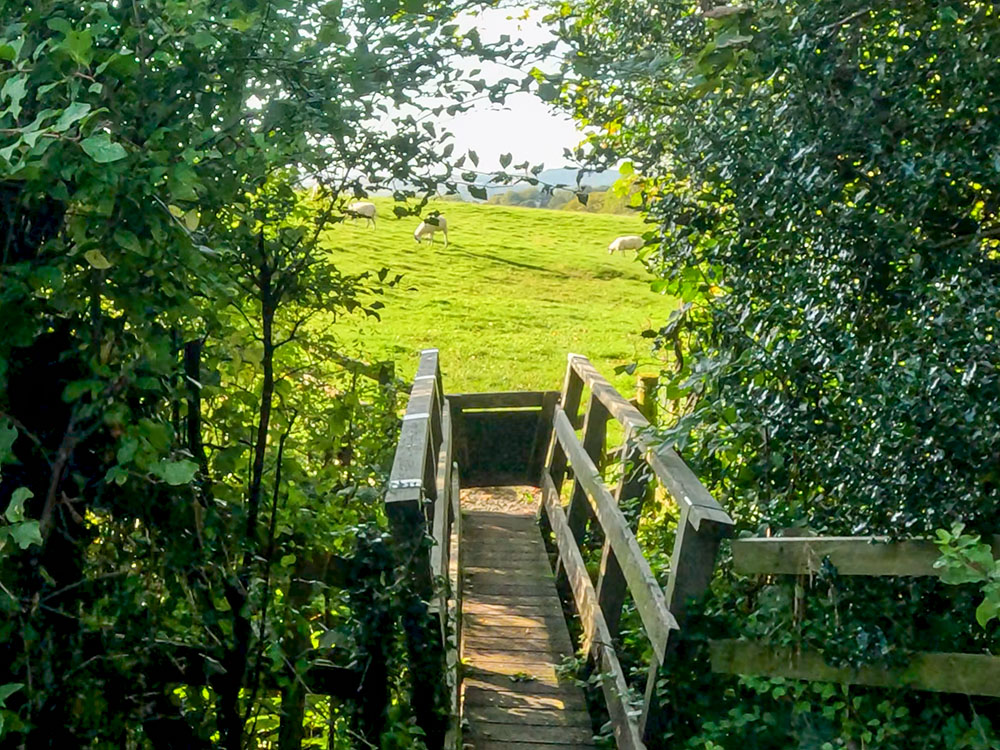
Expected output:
(514, 637)
(970, 674)
(597, 637)
(678, 480)
(500, 690)
(549, 735)
(498, 400)
(502, 745)
(529, 716)
(495, 447)
(850, 555)
(646, 592)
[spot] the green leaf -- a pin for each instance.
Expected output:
(8, 690)
(177, 472)
(987, 610)
(474, 158)
(79, 45)
(477, 192)
(202, 40)
(948, 13)
(25, 534)
(97, 260)
(15, 510)
(287, 561)
(101, 149)
(13, 91)
(70, 115)
(505, 160)
(128, 241)
(8, 434)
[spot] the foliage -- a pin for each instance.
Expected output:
(180, 444)
(598, 201)
(965, 559)
(824, 180)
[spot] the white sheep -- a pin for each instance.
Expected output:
(626, 242)
(429, 226)
(363, 209)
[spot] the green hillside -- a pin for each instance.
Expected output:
(515, 290)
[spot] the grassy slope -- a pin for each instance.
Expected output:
(513, 293)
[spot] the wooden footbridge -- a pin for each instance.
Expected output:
(494, 629)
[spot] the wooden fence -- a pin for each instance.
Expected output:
(702, 524)
(971, 674)
(422, 506)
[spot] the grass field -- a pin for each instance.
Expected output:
(512, 294)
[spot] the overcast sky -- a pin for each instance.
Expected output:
(524, 125)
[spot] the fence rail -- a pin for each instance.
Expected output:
(970, 674)
(422, 506)
(701, 526)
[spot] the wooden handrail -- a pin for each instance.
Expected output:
(646, 592)
(701, 525)
(419, 504)
(597, 638)
(678, 480)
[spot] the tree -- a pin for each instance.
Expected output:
(179, 439)
(823, 178)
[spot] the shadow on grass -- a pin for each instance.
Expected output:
(517, 264)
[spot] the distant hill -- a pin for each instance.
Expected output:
(591, 181)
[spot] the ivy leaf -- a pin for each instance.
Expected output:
(101, 149)
(177, 472)
(97, 260)
(25, 534)
(15, 511)
(505, 160)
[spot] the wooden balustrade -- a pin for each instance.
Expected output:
(702, 525)
(971, 674)
(422, 507)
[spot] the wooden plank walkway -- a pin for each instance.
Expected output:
(513, 637)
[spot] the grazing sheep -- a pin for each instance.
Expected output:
(429, 226)
(362, 209)
(626, 242)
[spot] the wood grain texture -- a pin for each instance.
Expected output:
(597, 641)
(971, 674)
(850, 555)
(646, 592)
(514, 637)
(679, 481)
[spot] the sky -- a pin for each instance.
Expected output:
(524, 125)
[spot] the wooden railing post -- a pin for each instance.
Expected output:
(635, 478)
(556, 462)
(595, 428)
(692, 565)
(409, 503)
(645, 396)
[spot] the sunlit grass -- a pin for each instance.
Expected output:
(513, 293)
